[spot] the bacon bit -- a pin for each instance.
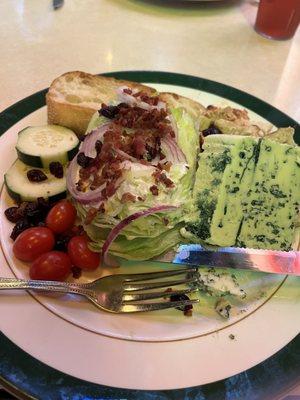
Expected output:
(166, 181)
(97, 182)
(137, 94)
(162, 177)
(101, 208)
(128, 197)
(127, 91)
(110, 189)
(188, 311)
(154, 190)
(139, 146)
(165, 221)
(156, 174)
(165, 166)
(84, 173)
(138, 118)
(91, 214)
(153, 101)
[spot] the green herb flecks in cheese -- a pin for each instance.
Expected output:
(236, 180)
(270, 205)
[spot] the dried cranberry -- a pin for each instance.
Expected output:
(36, 211)
(12, 214)
(19, 228)
(43, 204)
(41, 223)
(212, 130)
(36, 175)
(32, 212)
(76, 272)
(83, 160)
(180, 297)
(22, 209)
(61, 242)
(98, 146)
(109, 111)
(56, 169)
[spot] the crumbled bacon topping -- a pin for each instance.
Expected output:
(165, 221)
(153, 101)
(128, 197)
(154, 190)
(134, 134)
(162, 177)
(127, 91)
(164, 166)
(139, 118)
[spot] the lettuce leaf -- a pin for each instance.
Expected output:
(147, 237)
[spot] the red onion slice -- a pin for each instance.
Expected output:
(136, 101)
(91, 196)
(173, 125)
(172, 151)
(126, 221)
(126, 156)
(89, 143)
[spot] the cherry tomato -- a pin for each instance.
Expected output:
(33, 242)
(81, 256)
(61, 217)
(52, 266)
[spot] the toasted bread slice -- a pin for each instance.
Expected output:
(74, 97)
(194, 108)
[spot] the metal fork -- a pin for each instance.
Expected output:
(122, 293)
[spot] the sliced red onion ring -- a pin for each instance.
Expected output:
(172, 151)
(173, 125)
(126, 221)
(91, 196)
(89, 143)
(126, 156)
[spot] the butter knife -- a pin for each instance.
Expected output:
(271, 261)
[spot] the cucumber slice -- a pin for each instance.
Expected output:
(21, 189)
(38, 146)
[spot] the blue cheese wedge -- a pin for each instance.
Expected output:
(270, 205)
(212, 164)
(236, 180)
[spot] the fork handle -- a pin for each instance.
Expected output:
(50, 286)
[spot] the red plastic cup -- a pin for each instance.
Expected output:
(278, 19)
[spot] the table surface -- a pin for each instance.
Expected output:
(214, 40)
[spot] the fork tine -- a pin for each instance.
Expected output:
(128, 287)
(155, 275)
(155, 306)
(155, 295)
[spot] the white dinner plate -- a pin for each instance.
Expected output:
(159, 350)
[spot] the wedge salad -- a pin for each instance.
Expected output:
(148, 176)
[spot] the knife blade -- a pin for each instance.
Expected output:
(271, 261)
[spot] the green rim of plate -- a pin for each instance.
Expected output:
(28, 378)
